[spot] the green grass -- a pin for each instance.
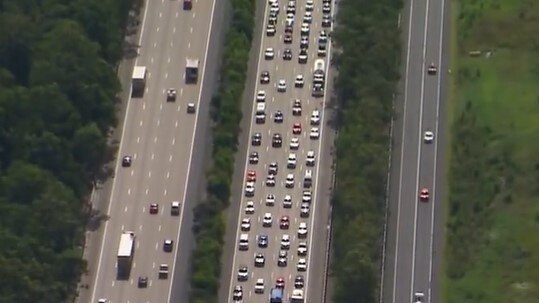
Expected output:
(492, 252)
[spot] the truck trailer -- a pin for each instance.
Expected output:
(191, 71)
(138, 81)
(126, 250)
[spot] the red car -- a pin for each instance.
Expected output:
(285, 222)
(154, 208)
(424, 195)
(279, 283)
(251, 176)
(296, 129)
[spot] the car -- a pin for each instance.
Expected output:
(154, 208)
(314, 134)
(126, 161)
(277, 140)
(191, 108)
(326, 8)
(296, 128)
(285, 242)
(284, 223)
(299, 282)
(243, 273)
(311, 158)
(305, 29)
(287, 201)
(279, 282)
(290, 18)
(323, 34)
(294, 143)
(275, 7)
(315, 117)
(264, 77)
(287, 38)
(270, 181)
(249, 208)
(299, 82)
(321, 52)
(263, 241)
(270, 200)
(260, 260)
(282, 259)
(302, 56)
(302, 264)
(281, 86)
(261, 96)
(237, 295)
(269, 54)
(419, 297)
(273, 168)
(292, 161)
(249, 189)
(302, 230)
(296, 107)
(432, 70)
(326, 22)
(253, 157)
(168, 245)
(308, 17)
(428, 136)
(251, 176)
(102, 300)
(163, 271)
(307, 196)
(302, 249)
(291, 9)
(288, 29)
(272, 19)
(278, 117)
(256, 139)
(142, 282)
(287, 54)
(309, 5)
(171, 95)
(175, 208)
(304, 210)
(270, 30)
(259, 286)
(424, 195)
(304, 42)
(267, 221)
(246, 224)
(289, 183)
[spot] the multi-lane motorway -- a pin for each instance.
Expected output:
(280, 69)
(159, 136)
(412, 259)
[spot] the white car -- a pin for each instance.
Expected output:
(304, 210)
(308, 18)
(259, 286)
(270, 200)
(249, 189)
(418, 297)
(299, 82)
(315, 133)
(267, 220)
(270, 30)
(315, 117)
(287, 201)
(302, 249)
(307, 196)
(285, 242)
(428, 136)
(292, 161)
(250, 208)
(274, 7)
(311, 158)
(281, 86)
(270, 181)
(294, 143)
(246, 224)
(302, 264)
(302, 230)
(290, 18)
(305, 29)
(309, 5)
(289, 181)
(269, 54)
(261, 96)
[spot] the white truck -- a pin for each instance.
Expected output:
(191, 71)
(126, 250)
(138, 81)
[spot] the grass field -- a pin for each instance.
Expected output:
(492, 253)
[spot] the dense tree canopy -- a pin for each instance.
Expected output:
(58, 91)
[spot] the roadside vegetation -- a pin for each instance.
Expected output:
(58, 92)
(368, 44)
(209, 226)
(492, 252)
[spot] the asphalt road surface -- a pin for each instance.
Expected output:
(412, 262)
(318, 218)
(159, 137)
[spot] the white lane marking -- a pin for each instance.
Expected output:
(146, 192)
(168, 174)
(160, 15)
(399, 199)
(140, 123)
(419, 144)
(140, 226)
(138, 139)
(174, 30)
(176, 124)
(158, 122)
(192, 144)
(143, 105)
(191, 30)
(177, 14)
(157, 29)
(155, 140)
(125, 209)
(129, 191)
(151, 59)
(132, 173)
(165, 192)
(161, 106)
(159, 228)
(170, 158)
(168, 60)
(173, 142)
(438, 98)
(155, 44)
(149, 174)
(166, 75)
(181, 89)
(153, 156)
(189, 45)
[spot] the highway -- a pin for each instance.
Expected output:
(278, 69)
(412, 263)
(159, 137)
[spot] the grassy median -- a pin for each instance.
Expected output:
(493, 217)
